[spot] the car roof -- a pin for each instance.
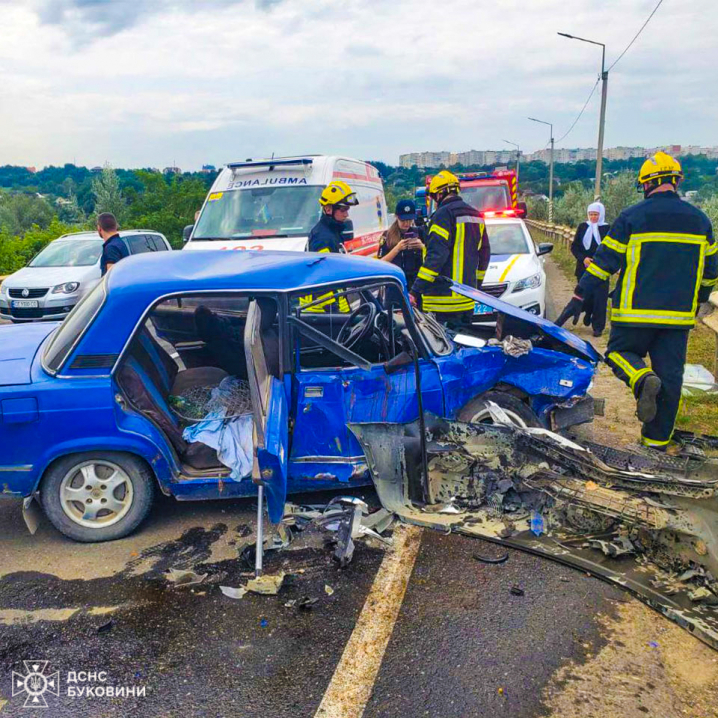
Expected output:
(91, 234)
(160, 273)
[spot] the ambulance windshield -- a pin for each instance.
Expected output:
(259, 212)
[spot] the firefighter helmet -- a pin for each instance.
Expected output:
(338, 193)
(442, 182)
(659, 167)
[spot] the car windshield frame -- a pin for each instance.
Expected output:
(75, 325)
(493, 228)
(221, 215)
(90, 243)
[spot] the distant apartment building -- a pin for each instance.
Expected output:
(618, 153)
(425, 160)
(208, 169)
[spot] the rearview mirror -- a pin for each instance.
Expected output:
(186, 233)
(544, 248)
(521, 209)
(348, 231)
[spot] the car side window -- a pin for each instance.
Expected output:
(139, 243)
(156, 241)
(368, 322)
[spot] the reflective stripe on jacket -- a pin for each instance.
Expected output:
(457, 247)
(667, 257)
(326, 238)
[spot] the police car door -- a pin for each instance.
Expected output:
(271, 418)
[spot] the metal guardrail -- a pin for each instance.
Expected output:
(552, 232)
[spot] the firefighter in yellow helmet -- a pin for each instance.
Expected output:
(326, 237)
(667, 259)
(457, 248)
(335, 201)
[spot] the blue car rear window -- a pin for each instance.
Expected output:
(72, 328)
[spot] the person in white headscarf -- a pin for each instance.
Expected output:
(586, 241)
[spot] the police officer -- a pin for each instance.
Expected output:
(326, 237)
(113, 248)
(457, 247)
(665, 252)
(335, 200)
(402, 243)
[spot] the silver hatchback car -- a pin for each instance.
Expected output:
(65, 270)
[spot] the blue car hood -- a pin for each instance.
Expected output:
(547, 327)
(18, 346)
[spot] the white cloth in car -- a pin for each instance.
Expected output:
(232, 439)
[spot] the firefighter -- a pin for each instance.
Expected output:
(457, 247)
(665, 252)
(326, 237)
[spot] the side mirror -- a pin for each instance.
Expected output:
(522, 209)
(398, 362)
(348, 231)
(544, 248)
(186, 233)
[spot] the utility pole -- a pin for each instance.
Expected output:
(518, 158)
(550, 171)
(602, 117)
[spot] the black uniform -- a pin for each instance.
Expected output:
(113, 250)
(665, 252)
(596, 304)
(325, 237)
(408, 260)
(457, 247)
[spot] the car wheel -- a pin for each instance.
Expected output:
(97, 496)
(477, 410)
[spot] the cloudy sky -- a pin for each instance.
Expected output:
(149, 82)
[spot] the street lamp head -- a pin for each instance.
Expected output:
(565, 34)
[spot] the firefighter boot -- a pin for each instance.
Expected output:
(647, 398)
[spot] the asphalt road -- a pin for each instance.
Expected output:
(463, 644)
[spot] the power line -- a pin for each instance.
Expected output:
(580, 113)
(660, 2)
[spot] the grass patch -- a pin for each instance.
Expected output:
(566, 261)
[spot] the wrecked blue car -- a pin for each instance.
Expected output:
(149, 382)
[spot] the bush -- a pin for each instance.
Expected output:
(17, 251)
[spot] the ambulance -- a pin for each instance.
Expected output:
(274, 203)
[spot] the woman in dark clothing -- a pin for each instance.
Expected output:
(586, 241)
(402, 243)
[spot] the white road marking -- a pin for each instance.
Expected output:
(351, 685)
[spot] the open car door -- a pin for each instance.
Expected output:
(271, 418)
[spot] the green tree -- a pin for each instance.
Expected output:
(618, 193)
(17, 251)
(167, 207)
(19, 212)
(108, 195)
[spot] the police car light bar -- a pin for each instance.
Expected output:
(270, 163)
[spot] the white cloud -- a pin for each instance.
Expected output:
(144, 83)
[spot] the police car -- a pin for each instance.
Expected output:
(273, 204)
(516, 272)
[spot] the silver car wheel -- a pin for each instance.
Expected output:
(96, 494)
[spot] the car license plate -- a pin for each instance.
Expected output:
(25, 304)
(480, 308)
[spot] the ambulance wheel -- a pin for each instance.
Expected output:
(477, 410)
(98, 495)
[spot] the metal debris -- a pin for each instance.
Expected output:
(266, 585)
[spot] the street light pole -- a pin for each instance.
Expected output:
(518, 158)
(602, 116)
(550, 171)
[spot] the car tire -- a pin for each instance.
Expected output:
(477, 411)
(96, 482)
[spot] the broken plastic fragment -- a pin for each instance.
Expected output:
(182, 577)
(516, 591)
(266, 585)
(231, 592)
(537, 525)
(328, 589)
(306, 604)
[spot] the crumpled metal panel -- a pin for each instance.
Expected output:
(500, 482)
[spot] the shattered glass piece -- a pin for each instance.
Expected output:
(328, 589)
(230, 398)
